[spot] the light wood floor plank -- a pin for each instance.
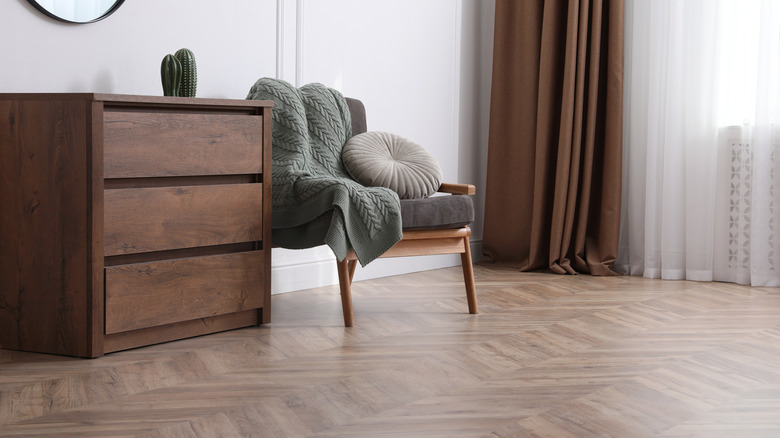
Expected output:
(549, 356)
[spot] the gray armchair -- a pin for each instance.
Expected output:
(431, 226)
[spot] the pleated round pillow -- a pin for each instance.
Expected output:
(381, 159)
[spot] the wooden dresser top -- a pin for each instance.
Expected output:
(137, 99)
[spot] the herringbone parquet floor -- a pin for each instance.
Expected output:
(550, 356)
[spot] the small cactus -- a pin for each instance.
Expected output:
(171, 72)
(189, 77)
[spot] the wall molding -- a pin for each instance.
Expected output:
(456, 88)
(299, 23)
(279, 39)
(287, 33)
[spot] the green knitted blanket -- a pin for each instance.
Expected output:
(310, 126)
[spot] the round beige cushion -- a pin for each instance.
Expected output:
(381, 159)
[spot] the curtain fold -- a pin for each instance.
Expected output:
(554, 159)
(702, 141)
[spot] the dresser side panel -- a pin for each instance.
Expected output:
(44, 292)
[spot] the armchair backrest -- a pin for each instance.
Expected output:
(358, 112)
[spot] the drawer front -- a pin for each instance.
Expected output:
(163, 218)
(150, 294)
(152, 144)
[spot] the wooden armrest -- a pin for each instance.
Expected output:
(458, 189)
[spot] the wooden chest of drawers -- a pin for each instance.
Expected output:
(131, 220)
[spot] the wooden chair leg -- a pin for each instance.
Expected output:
(468, 277)
(346, 268)
(352, 266)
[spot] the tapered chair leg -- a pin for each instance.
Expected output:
(468, 277)
(352, 267)
(346, 269)
(418, 242)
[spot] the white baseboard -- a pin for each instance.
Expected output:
(316, 267)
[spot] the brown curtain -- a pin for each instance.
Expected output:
(554, 160)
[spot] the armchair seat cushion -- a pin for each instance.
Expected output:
(437, 212)
(434, 213)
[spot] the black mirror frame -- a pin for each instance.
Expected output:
(43, 10)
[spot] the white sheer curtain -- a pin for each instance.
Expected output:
(701, 184)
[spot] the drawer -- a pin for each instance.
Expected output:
(161, 218)
(150, 294)
(152, 144)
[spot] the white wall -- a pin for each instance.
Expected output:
(421, 67)
(234, 44)
(476, 70)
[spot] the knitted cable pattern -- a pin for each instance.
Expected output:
(310, 126)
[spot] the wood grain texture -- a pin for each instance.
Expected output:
(151, 144)
(179, 330)
(44, 240)
(164, 218)
(267, 181)
(457, 189)
(95, 257)
(468, 277)
(134, 101)
(343, 269)
(145, 295)
(548, 356)
(53, 188)
(429, 242)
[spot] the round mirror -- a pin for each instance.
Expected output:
(77, 11)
